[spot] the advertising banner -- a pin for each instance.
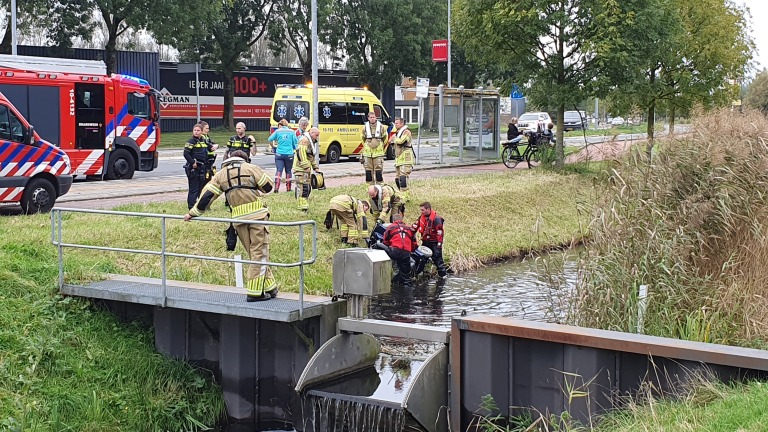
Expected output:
(254, 91)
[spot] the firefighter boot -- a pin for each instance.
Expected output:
(344, 240)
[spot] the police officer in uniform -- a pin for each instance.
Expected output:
(303, 164)
(244, 185)
(404, 157)
(351, 211)
(375, 141)
(399, 241)
(385, 202)
(210, 167)
(241, 142)
(196, 154)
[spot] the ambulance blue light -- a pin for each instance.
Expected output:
(137, 79)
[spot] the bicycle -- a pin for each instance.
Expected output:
(511, 156)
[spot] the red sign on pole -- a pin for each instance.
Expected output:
(440, 50)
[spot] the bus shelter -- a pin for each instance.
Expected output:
(466, 122)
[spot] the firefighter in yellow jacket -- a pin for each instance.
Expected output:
(351, 211)
(404, 157)
(385, 202)
(374, 149)
(303, 164)
(244, 185)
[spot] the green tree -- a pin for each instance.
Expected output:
(118, 16)
(290, 27)
(382, 40)
(683, 53)
(225, 37)
(555, 48)
(169, 21)
(58, 21)
(757, 92)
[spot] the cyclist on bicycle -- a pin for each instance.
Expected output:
(513, 134)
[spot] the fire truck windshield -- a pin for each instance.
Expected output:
(138, 105)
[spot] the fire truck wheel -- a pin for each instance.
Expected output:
(39, 196)
(121, 165)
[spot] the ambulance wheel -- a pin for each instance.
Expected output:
(39, 196)
(121, 165)
(333, 154)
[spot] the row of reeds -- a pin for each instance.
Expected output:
(692, 225)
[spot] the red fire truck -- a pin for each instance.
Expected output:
(107, 125)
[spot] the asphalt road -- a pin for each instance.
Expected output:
(172, 162)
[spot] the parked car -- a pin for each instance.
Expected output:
(616, 121)
(533, 121)
(575, 120)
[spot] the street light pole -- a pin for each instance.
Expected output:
(449, 43)
(13, 28)
(314, 113)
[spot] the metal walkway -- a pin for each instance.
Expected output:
(199, 297)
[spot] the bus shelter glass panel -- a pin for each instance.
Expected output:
(471, 123)
(481, 129)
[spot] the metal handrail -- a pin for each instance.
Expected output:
(57, 240)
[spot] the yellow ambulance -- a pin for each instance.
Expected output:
(343, 112)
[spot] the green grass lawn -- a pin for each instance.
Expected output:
(553, 218)
(616, 130)
(176, 140)
(711, 407)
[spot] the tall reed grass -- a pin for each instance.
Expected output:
(692, 224)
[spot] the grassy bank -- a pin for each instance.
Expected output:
(488, 217)
(65, 366)
(711, 407)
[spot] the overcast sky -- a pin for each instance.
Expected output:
(759, 11)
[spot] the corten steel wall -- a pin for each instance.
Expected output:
(525, 364)
(144, 65)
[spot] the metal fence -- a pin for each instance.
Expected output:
(57, 228)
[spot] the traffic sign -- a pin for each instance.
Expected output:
(422, 87)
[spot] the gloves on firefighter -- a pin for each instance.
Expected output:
(231, 240)
(379, 221)
(328, 222)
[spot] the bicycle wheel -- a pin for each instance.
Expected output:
(511, 157)
(532, 155)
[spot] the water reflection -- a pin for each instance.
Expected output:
(529, 289)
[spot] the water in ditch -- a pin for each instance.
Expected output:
(533, 288)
